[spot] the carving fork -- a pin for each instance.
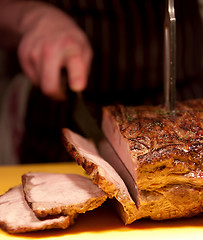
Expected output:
(170, 56)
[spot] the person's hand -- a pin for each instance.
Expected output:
(53, 41)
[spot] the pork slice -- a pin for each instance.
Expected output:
(66, 194)
(101, 173)
(167, 153)
(17, 217)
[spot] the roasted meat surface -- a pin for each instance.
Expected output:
(170, 146)
(167, 154)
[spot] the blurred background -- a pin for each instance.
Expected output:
(127, 68)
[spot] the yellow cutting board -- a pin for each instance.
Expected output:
(102, 223)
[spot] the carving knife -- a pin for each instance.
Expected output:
(170, 56)
(88, 125)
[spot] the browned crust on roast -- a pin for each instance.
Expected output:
(68, 209)
(159, 142)
(167, 151)
(166, 203)
(157, 205)
(160, 146)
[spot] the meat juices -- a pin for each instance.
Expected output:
(167, 153)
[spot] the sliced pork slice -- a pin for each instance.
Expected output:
(85, 153)
(66, 194)
(17, 217)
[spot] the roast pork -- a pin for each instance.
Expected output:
(47, 200)
(17, 217)
(66, 194)
(167, 154)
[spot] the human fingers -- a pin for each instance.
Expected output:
(29, 55)
(42, 62)
(77, 61)
(50, 73)
(52, 63)
(77, 73)
(43, 55)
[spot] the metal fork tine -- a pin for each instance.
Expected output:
(170, 56)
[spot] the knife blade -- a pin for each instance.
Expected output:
(170, 56)
(90, 128)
